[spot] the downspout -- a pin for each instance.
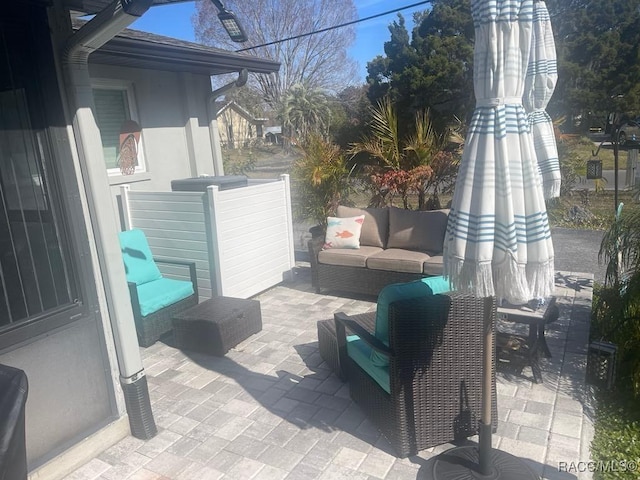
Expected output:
(243, 75)
(95, 33)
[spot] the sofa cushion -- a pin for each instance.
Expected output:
(375, 228)
(347, 257)
(401, 291)
(160, 293)
(398, 260)
(417, 229)
(343, 232)
(138, 260)
(434, 265)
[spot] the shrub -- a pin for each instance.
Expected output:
(321, 177)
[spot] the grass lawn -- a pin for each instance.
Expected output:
(601, 205)
(584, 148)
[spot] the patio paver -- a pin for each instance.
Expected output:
(271, 409)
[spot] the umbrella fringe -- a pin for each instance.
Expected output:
(469, 277)
(518, 283)
(541, 279)
(511, 279)
(551, 186)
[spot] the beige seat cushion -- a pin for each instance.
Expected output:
(398, 260)
(434, 266)
(348, 257)
(375, 227)
(417, 230)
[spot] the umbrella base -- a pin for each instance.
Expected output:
(463, 463)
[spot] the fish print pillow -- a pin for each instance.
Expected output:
(343, 232)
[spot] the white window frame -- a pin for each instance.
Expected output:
(123, 85)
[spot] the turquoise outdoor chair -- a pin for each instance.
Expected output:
(154, 299)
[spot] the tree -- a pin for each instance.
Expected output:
(617, 306)
(432, 69)
(305, 110)
(598, 46)
(404, 163)
(317, 61)
(351, 113)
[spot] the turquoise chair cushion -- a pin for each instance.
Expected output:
(401, 291)
(160, 293)
(138, 260)
(361, 353)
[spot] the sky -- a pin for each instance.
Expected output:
(174, 20)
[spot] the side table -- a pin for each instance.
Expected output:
(216, 325)
(525, 350)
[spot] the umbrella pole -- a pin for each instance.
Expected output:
(482, 462)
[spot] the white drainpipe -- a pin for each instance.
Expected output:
(95, 33)
(218, 168)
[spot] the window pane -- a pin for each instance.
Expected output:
(34, 274)
(112, 111)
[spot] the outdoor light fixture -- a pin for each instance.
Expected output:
(601, 364)
(230, 23)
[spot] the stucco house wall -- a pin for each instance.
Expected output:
(172, 110)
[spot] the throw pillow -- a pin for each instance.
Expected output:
(375, 228)
(343, 232)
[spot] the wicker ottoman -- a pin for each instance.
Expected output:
(216, 325)
(328, 343)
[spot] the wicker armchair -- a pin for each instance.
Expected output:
(155, 300)
(434, 390)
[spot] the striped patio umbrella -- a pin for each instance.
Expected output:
(498, 242)
(540, 83)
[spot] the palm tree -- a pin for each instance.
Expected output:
(408, 158)
(618, 305)
(305, 110)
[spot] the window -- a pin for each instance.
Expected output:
(37, 276)
(117, 120)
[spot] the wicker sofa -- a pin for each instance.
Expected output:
(396, 245)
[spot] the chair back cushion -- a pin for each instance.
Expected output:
(161, 293)
(375, 228)
(417, 230)
(138, 260)
(401, 291)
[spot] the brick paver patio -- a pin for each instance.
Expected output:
(271, 409)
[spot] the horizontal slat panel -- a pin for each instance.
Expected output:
(166, 196)
(168, 206)
(166, 215)
(144, 223)
(157, 233)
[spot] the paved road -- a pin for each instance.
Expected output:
(577, 251)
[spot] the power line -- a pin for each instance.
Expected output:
(334, 27)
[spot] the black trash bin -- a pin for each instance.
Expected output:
(200, 184)
(13, 449)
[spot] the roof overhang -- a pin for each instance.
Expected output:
(133, 48)
(95, 6)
